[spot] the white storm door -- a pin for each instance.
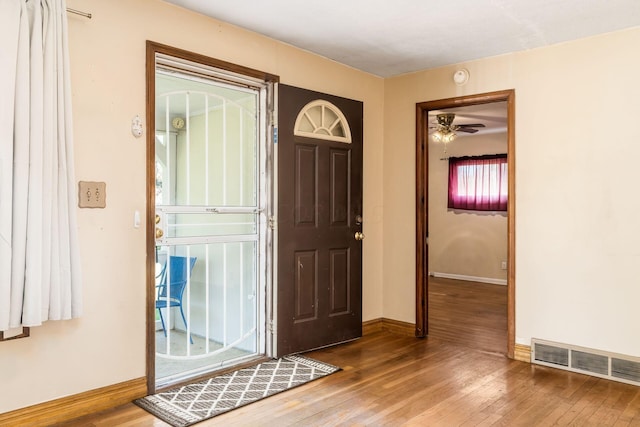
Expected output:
(210, 192)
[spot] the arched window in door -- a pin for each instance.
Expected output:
(323, 120)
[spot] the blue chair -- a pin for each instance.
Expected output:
(180, 273)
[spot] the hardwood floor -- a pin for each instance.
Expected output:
(469, 313)
(455, 377)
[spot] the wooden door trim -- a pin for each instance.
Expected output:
(152, 48)
(422, 193)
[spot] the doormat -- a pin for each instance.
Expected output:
(187, 405)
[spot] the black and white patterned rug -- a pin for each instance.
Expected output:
(187, 405)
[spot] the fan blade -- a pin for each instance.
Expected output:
(473, 125)
(467, 130)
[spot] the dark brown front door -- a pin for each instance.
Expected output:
(319, 287)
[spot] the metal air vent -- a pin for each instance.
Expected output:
(612, 366)
(625, 369)
(590, 362)
(551, 354)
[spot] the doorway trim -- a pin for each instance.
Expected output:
(152, 49)
(422, 193)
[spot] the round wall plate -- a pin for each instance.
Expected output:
(460, 77)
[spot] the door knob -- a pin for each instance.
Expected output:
(157, 219)
(359, 235)
(159, 233)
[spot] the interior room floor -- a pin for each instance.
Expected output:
(392, 380)
(458, 376)
(468, 313)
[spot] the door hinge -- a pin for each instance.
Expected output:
(270, 326)
(272, 223)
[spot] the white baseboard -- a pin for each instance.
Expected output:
(470, 278)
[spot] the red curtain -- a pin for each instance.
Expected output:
(478, 183)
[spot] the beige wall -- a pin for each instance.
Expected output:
(466, 243)
(576, 151)
(107, 345)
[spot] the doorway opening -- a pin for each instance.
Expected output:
(209, 200)
(424, 122)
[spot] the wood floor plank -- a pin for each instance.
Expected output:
(631, 412)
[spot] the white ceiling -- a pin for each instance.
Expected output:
(493, 116)
(391, 37)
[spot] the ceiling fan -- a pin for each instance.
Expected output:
(445, 124)
(445, 130)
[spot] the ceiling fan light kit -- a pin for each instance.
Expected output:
(446, 130)
(444, 136)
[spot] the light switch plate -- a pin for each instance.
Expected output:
(92, 194)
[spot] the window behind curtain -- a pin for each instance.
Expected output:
(478, 183)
